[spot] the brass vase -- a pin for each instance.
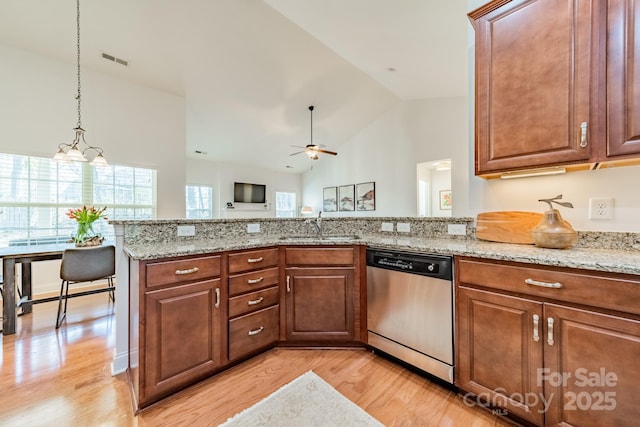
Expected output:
(553, 232)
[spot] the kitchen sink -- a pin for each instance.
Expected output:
(334, 238)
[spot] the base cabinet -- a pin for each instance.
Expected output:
(322, 294)
(181, 337)
(320, 304)
(527, 345)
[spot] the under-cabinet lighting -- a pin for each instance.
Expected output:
(533, 172)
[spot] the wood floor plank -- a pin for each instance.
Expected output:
(63, 377)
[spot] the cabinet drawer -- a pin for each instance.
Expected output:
(183, 270)
(319, 256)
(252, 260)
(597, 289)
(248, 282)
(253, 331)
(254, 301)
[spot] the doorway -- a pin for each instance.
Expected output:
(434, 188)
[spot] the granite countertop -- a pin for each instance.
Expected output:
(607, 260)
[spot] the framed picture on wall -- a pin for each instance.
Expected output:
(330, 199)
(445, 199)
(366, 196)
(346, 198)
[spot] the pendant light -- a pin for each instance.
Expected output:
(76, 150)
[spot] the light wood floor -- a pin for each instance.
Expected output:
(62, 377)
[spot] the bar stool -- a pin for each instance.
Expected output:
(81, 265)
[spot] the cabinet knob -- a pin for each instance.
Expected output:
(255, 301)
(188, 271)
(553, 285)
(550, 322)
(583, 134)
(255, 331)
(536, 320)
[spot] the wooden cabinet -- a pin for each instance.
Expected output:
(535, 83)
(623, 78)
(551, 346)
(254, 310)
(321, 298)
(180, 331)
(557, 83)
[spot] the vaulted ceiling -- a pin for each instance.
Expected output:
(248, 69)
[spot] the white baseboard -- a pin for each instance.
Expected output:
(120, 363)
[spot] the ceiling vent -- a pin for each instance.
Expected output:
(115, 59)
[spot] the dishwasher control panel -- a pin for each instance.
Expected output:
(415, 263)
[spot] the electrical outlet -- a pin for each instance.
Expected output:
(457, 229)
(253, 228)
(600, 208)
(186, 230)
(403, 227)
(387, 226)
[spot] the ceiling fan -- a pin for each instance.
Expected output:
(312, 150)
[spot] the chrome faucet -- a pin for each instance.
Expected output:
(317, 223)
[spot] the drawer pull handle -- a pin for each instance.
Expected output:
(254, 281)
(255, 301)
(288, 284)
(550, 331)
(536, 320)
(188, 271)
(217, 304)
(256, 331)
(583, 134)
(554, 285)
(252, 260)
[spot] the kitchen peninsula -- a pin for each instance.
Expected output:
(603, 261)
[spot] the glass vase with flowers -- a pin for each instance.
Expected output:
(85, 217)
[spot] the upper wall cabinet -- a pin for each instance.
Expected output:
(542, 94)
(623, 78)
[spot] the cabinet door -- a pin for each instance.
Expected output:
(623, 77)
(534, 76)
(592, 375)
(182, 336)
(319, 304)
(500, 352)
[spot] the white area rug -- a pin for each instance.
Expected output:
(307, 401)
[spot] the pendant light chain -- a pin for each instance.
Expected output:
(78, 59)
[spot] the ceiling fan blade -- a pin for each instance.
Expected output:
(297, 146)
(299, 152)
(333, 153)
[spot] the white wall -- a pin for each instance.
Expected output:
(221, 177)
(387, 152)
(136, 125)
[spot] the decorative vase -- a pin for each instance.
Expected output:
(85, 236)
(553, 231)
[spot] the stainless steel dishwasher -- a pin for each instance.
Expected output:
(410, 309)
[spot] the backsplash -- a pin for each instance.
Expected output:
(165, 231)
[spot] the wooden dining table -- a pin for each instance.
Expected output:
(23, 255)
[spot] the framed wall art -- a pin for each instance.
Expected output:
(445, 199)
(346, 197)
(366, 196)
(330, 199)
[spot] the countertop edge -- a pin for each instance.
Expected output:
(605, 260)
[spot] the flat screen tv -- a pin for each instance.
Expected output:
(249, 193)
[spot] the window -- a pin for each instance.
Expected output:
(36, 192)
(199, 202)
(285, 205)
